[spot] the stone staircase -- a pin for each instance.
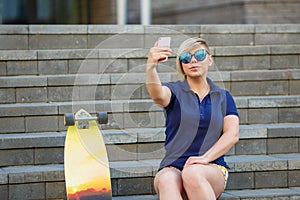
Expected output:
(49, 70)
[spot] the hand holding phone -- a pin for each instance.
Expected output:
(163, 42)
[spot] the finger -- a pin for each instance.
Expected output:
(165, 49)
(163, 54)
(186, 165)
(189, 163)
(166, 53)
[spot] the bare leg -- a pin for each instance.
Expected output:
(203, 182)
(168, 184)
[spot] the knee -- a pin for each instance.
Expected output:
(192, 177)
(167, 179)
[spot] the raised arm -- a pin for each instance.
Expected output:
(160, 94)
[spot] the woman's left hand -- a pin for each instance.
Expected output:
(196, 160)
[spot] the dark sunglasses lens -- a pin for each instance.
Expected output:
(200, 55)
(185, 58)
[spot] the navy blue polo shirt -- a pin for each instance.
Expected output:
(192, 127)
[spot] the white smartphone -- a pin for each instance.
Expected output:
(164, 42)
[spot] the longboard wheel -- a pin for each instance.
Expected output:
(69, 119)
(102, 117)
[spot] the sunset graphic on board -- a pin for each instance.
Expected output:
(86, 165)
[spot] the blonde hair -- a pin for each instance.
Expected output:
(187, 46)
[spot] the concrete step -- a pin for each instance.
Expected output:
(142, 144)
(48, 117)
(258, 194)
(107, 60)
(62, 88)
(136, 177)
(134, 36)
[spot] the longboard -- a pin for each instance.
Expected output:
(87, 174)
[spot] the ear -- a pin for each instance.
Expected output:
(210, 60)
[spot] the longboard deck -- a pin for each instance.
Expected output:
(87, 173)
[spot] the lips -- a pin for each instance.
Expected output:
(194, 67)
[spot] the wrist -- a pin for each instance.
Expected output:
(205, 159)
(151, 66)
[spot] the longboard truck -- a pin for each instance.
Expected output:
(70, 119)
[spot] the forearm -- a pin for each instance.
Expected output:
(229, 137)
(153, 82)
(226, 141)
(223, 145)
(159, 94)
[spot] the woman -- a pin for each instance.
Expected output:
(202, 124)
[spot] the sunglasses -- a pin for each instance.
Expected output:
(199, 55)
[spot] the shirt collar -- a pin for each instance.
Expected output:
(213, 87)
